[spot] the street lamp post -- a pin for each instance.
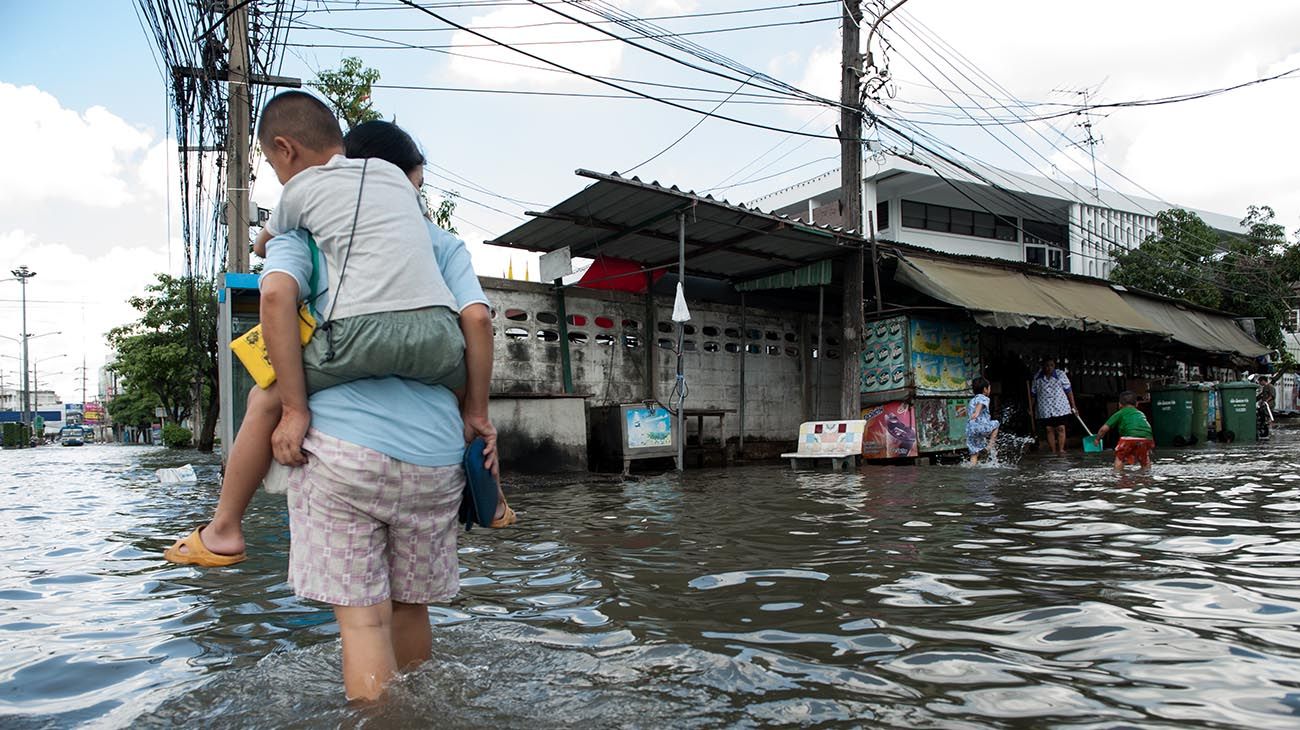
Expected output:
(36, 396)
(26, 392)
(22, 274)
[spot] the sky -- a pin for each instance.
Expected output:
(89, 187)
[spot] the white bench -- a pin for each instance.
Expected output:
(839, 441)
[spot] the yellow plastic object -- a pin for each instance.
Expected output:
(250, 348)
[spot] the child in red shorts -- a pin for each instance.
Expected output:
(1135, 441)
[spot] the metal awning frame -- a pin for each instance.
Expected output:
(748, 225)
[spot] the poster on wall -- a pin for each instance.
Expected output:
(945, 356)
(649, 428)
(884, 355)
(940, 424)
(891, 431)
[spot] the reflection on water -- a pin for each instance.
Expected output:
(1052, 593)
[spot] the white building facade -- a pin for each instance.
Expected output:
(993, 213)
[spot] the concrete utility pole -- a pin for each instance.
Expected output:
(22, 274)
(237, 136)
(851, 203)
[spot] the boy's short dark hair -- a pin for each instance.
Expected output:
(302, 117)
(978, 385)
(1128, 398)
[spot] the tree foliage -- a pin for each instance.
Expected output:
(1252, 275)
(441, 213)
(1174, 261)
(133, 406)
(348, 90)
(169, 352)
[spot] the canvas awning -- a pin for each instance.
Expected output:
(1008, 298)
(1197, 328)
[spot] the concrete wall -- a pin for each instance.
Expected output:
(538, 435)
(609, 355)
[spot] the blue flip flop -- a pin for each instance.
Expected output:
(478, 504)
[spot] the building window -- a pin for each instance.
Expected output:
(1045, 245)
(960, 221)
(882, 215)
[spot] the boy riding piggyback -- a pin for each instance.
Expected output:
(390, 311)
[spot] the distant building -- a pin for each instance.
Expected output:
(993, 213)
(109, 382)
(11, 399)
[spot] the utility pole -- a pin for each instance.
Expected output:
(237, 136)
(23, 274)
(850, 133)
(83, 385)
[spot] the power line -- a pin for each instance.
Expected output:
(773, 148)
(535, 57)
(986, 76)
(395, 44)
(681, 16)
(571, 94)
(631, 22)
(685, 134)
(747, 181)
(574, 41)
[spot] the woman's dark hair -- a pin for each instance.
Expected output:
(385, 141)
(978, 385)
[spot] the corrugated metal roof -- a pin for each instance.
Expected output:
(636, 220)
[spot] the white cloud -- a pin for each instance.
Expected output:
(53, 153)
(78, 295)
(822, 72)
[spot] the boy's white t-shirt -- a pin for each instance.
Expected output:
(391, 267)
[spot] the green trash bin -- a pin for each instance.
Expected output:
(1238, 403)
(1200, 412)
(1171, 414)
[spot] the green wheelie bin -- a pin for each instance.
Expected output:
(1200, 412)
(1237, 400)
(1171, 414)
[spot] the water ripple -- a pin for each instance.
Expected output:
(1050, 594)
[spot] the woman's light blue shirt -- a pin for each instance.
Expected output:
(407, 420)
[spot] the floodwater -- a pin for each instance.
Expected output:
(1048, 594)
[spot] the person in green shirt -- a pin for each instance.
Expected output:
(1135, 440)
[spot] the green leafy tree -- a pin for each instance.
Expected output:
(1252, 275)
(133, 406)
(170, 352)
(348, 90)
(1178, 261)
(1259, 272)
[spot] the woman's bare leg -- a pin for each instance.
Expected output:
(411, 635)
(368, 661)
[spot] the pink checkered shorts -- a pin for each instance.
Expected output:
(366, 527)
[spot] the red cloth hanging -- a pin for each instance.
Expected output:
(607, 272)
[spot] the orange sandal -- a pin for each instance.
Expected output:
(506, 519)
(197, 553)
